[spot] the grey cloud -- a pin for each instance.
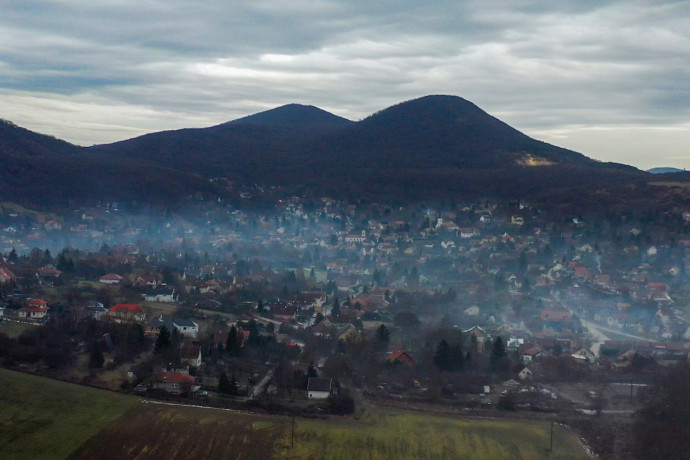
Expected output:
(543, 67)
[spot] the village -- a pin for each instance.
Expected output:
(311, 305)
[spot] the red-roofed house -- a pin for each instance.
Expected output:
(555, 315)
(400, 356)
(6, 275)
(173, 382)
(110, 278)
(127, 312)
(36, 309)
(581, 273)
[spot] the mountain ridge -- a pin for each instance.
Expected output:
(433, 147)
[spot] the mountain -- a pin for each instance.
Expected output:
(665, 170)
(306, 116)
(42, 171)
(434, 147)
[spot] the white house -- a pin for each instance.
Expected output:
(160, 295)
(525, 374)
(110, 278)
(318, 388)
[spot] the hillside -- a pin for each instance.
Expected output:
(43, 172)
(434, 147)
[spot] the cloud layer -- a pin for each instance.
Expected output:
(609, 79)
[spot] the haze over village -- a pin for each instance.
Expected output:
(344, 230)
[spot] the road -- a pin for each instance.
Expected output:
(598, 332)
(597, 336)
(259, 387)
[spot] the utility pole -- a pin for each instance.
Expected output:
(292, 435)
(551, 443)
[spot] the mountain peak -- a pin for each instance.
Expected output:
(293, 115)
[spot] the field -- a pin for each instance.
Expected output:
(158, 431)
(389, 434)
(48, 419)
(42, 418)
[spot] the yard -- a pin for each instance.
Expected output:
(13, 328)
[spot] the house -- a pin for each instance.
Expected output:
(173, 382)
(525, 374)
(127, 312)
(6, 275)
(555, 316)
(160, 294)
(187, 328)
(319, 388)
(479, 335)
(190, 354)
(184, 327)
(400, 356)
(374, 320)
(111, 278)
(584, 356)
(96, 310)
(36, 309)
(284, 313)
(47, 275)
(529, 352)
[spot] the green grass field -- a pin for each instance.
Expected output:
(48, 419)
(392, 434)
(13, 329)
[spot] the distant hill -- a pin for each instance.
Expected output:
(665, 170)
(44, 172)
(434, 147)
(293, 115)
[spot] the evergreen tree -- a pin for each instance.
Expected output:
(96, 358)
(335, 308)
(47, 258)
(233, 346)
(224, 386)
(12, 256)
(383, 335)
(311, 370)
(442, 356)
(456, 357)
(234, 385)
(498, 351)
(163, 341)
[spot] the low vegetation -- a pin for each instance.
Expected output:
(49, 419)
(403, 435)
(93, 423)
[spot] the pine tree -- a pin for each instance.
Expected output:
(96, 358)
(442, 357)
(233, 345)
(383, 335)
(456, 357)
(224, 386)
(234, 385)
(335, 308)
(163, 341)
(498, 351)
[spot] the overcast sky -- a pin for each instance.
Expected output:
(608, 79)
